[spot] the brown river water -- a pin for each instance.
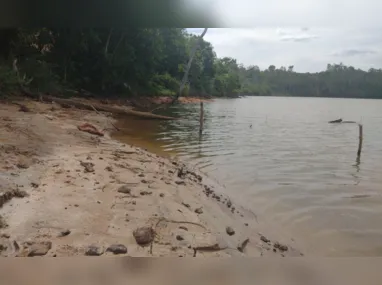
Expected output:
(290, 166)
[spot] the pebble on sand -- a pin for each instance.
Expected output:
(124, 189)
(64, 233)
(179, 237)
(144, 235)
(264, 239)
(94, 250)
(199, 210)
(230, 231)
(117, 249)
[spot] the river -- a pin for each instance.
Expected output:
(279, 157)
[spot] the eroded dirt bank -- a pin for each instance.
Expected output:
(66, 192)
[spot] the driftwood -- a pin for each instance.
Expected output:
(335, 121)
(201, 119)
(110, 109)
(360, 137)
(360, 140)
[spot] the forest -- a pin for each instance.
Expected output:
(151, 62)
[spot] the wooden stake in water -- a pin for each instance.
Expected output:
(201, 119)
(360, 140)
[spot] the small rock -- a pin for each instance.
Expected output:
(76, 205)
(171, 171)
(89, 166)
(186, 205)
(109, 168)
(39, 248)
(144, 181)
(144, 235)
(199, 210)
(264, 239)
(141, 175)
(65, 233)
(3, 247)
(179, 237)
(230, 231)
(22, 165)
(5, 235)
(143, 193)
(133, 202)
(98, 202)
(94, 250)
(124, 189)
(281, 247)
(183, 228)
(34, 184)
(246, 224)
(180, 182)
(161, 195)
(242, 245)
(229, 204)
(117, 249)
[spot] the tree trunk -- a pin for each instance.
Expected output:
(185, 76)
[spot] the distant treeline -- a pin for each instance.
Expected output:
(132, 61)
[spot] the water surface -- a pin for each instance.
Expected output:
(290, 166)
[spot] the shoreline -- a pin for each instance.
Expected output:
(88, 195)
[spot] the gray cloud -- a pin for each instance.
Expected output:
(353, 52)
(299, 38)
(300, 33)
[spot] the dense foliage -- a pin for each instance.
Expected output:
(131, 61)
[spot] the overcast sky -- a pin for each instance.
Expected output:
(308, 34)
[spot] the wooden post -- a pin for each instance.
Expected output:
(360, 140)
(201, 119)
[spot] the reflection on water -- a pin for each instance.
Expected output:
(290, 165)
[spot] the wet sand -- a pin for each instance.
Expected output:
(78, 194)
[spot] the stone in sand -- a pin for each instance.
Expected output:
(117, 249)
(39, 248)
(230, 231)
(281, 247)
(179, 237)
(94, 250)
(199, 210)
(89, 166)
(124, 189)
(264, 239)
(144, 235)
(65, 233)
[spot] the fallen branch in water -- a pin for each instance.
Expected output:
(104, 108)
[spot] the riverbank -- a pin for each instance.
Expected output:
(66, 192)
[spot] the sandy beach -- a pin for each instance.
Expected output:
(66, 192)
